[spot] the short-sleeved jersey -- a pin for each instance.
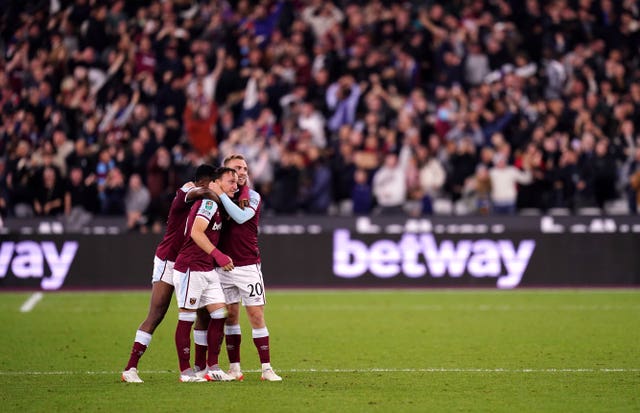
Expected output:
(174, 235)
(240, 241)
(191, 256)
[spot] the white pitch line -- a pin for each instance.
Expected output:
(31, 302)
(373, 370)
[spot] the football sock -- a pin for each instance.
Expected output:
(233, 338)
(183, 339)
(140, 345)
(261, 341)
(200, 340)
(215, 335)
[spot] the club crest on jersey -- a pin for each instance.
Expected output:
(192, 301)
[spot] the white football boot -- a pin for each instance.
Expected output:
(269, 375)
(236, 373)
(131, 376)
(217, 374)
(189, 376)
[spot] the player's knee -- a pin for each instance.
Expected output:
(258, 323)
(232, 318)
(257, 320)
(232, 314)
(218, 314)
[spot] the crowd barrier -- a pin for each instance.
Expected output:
(327, 252)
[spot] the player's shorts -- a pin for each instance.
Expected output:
(243, 284)
(162, 271)
(196, 289)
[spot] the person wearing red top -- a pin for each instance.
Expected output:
(163, 263)
(244, 282)
(197, 284)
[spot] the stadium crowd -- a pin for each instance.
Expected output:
(345, 107)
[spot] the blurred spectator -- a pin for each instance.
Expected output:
(633, 189)
(4, 194)
(284, 196)
(322, 16)
(315, 197)
(539, 192)
(342, 100)
(49, 199)
(114, 191)
(477, 191)
(604, 174)
(504, 178)
(564, 182)
(80, 199)
(462, 163)
(432, 178)
(361, 194)
(160, 181)
(136, 202)
(312, 120)
(19, 179)
(105, 164)
(389, 185)
(201, 112)
(63, 147)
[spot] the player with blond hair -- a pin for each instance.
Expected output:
(243, 283)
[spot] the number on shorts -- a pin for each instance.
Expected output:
(256, 289)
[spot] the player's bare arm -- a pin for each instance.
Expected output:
(202, 193)
(200, 238)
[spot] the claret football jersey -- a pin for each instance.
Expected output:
(174, 234)
(191, 256)
(240, 241)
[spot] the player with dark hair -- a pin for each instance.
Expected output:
(244, 282)
(163, 263)
(197, 284)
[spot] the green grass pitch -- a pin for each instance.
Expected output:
(339, 351)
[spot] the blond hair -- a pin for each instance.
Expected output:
(232, 157)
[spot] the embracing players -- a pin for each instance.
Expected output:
(163, 263)
(244, 282)
(197, 284)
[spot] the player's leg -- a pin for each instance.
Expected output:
(161, 290)
(253, 295)
(233, 339)
(232, 331)
(189, 287)
(260, 335)
(213, 299)
(200, 340)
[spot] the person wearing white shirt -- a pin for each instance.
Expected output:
(390, 184)
(504, 180)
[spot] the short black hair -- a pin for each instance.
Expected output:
(205, 171)
(223, 170)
